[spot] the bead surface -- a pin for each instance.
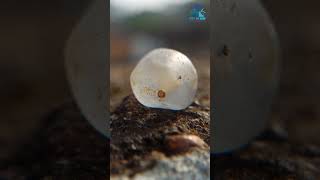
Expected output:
(164, 78)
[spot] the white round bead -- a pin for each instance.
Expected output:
(164, 78)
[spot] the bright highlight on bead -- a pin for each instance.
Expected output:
(164, 78)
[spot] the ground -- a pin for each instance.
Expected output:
(66, 147)
(138, 131)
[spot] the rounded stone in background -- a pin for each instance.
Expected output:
(87, 66)
(245, 66)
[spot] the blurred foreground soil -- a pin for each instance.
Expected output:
(66, 147)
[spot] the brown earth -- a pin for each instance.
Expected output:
(137, 131)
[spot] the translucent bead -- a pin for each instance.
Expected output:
(164, 78)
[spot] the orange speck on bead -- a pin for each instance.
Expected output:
(161, 94)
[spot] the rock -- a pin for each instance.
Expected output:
(192, 166)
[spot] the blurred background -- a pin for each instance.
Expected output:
(297, 106)
(290, 149)
(32, 75)
(42, 133)
(137, 27)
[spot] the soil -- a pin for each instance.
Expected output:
(138, 131)
(270, 157)
(66, 147)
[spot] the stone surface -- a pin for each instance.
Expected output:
(191, 166)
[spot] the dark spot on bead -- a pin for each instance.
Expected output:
(250, 55)
(225, 50)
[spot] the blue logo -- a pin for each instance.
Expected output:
(197, 13)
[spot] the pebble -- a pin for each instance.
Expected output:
(183, 143)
